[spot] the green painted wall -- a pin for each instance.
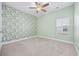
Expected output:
(0, 27)
(76, 26)
(17, 24)
(46, 24)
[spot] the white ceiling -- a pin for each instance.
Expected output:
(53, 6)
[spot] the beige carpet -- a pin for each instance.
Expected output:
(38, 47)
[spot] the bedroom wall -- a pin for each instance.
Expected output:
(46, 24)
(0, 26)
(17, 24)
(76, 26)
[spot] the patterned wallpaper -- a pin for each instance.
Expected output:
(17, 24)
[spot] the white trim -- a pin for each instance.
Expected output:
(55, 39)
(34, 37)
(18, 40)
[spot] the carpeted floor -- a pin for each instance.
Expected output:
(38, 47)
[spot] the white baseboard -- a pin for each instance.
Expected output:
(18, 40)
(34, 37)
(55, 39)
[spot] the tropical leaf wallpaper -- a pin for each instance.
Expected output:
(17, 24)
